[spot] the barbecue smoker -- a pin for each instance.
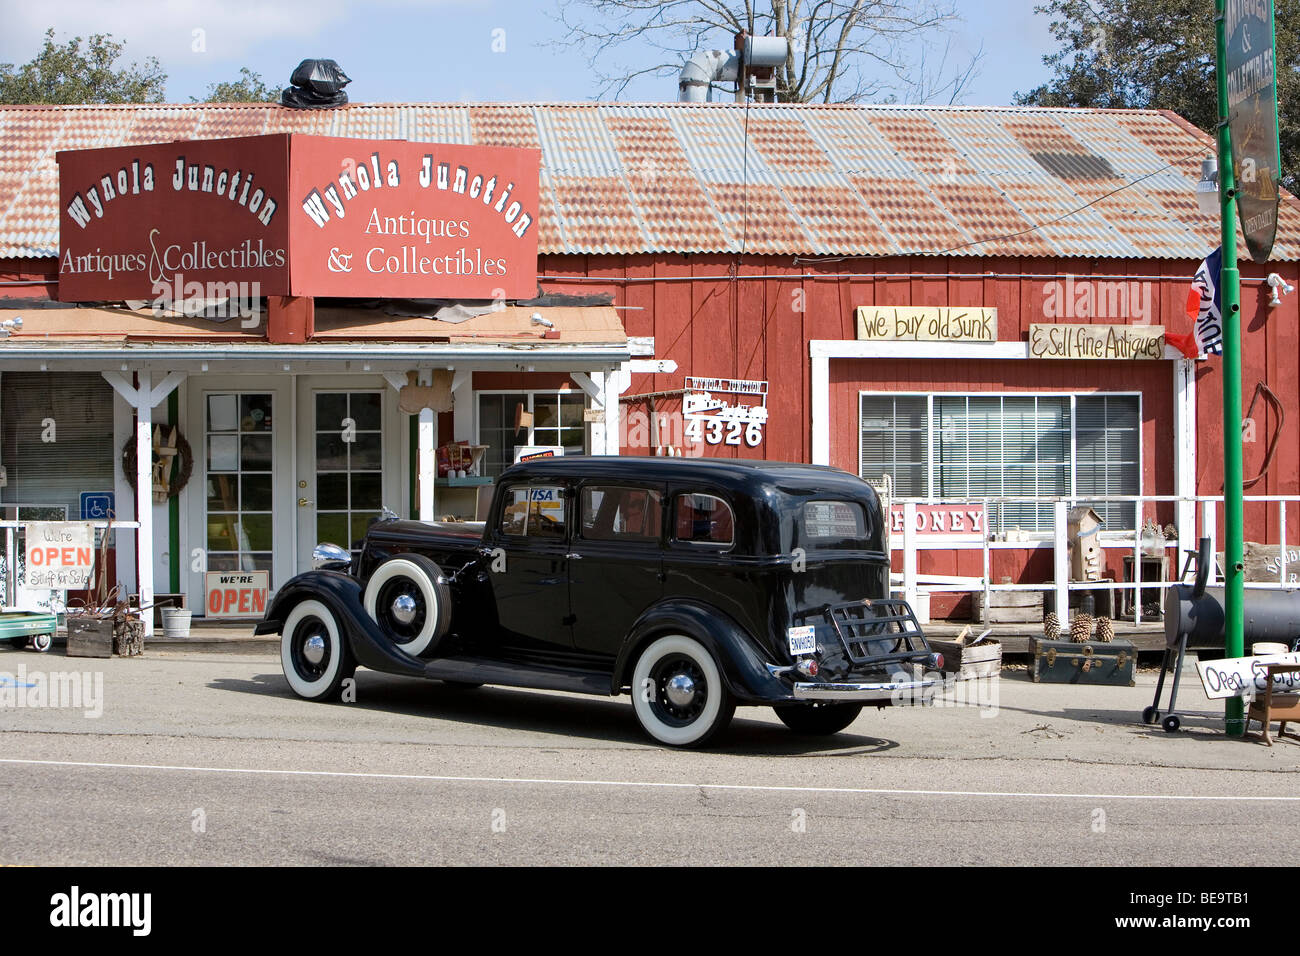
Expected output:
(1196, 611)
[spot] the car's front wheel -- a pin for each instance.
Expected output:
(678, 693)
(819, 719)
(411, 601)
(313, 652)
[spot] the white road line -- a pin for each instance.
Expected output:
(437, 778)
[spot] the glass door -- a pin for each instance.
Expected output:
(236, 505)
(349, 463)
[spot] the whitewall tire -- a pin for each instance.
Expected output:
(410, 601)
(678, 693)
(314, 652)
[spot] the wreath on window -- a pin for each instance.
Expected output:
(173, 462)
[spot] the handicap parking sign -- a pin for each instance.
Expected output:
(97, 505)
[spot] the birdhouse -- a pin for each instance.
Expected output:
(1082, 529)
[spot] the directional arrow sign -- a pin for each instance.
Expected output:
(653, 366)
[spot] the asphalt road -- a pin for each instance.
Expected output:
(208, 759)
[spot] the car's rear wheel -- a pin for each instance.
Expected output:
(411, 601)
(818, 719)
(313, 652)
(678, 693)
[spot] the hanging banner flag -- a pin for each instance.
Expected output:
(1251, 69)
(1204, 311)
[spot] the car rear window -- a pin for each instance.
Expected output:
(834, 524)
(612, 513)
(704, 519)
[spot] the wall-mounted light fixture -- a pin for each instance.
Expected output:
(1207, 190)
(1278, 287)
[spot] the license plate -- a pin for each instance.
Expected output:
(803, 640)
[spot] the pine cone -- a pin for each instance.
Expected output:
(1051, 626)
(1081, 628)
(1105, 630)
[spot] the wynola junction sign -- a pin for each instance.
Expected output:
(1251, 69)
(413, 220)
(298, 215)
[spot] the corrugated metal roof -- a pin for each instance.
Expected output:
(780, 179)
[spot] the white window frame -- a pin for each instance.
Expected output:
(532, 393)
(1073, 396)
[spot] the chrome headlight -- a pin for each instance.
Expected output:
(330, 557)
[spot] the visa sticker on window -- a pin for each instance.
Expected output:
(803, 640)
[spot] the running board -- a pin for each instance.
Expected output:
(477, 670)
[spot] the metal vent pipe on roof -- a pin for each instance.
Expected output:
(751, 65)
(701, 71)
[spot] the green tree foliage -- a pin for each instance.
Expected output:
(1159, 54)
(71, 74)
(249, 88)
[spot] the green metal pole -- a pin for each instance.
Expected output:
(1230, 285)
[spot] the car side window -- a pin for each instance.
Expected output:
(533, 511)
(611, 513)
(704, 519)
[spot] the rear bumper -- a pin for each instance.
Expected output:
(902, 692)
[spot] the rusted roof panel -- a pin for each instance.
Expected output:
(717, 177)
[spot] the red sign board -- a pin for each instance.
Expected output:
(413, 220)
(300, 215)
(142, 222)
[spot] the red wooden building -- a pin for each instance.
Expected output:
(883, 272)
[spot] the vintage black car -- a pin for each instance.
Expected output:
(692, 584)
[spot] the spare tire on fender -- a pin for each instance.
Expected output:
(411, 601)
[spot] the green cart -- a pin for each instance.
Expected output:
(33, 629)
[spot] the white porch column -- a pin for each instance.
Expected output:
(1185, 455)
(597, 387)
(1061, 559)
(821, 407)
(462, 410)
(144, 499)
(909, 552)
(426, 465)
(143, 398)
(126, 540)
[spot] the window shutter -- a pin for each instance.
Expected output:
(80, 458)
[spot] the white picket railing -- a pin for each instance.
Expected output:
(1193, 523)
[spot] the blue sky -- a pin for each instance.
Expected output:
(435, 50)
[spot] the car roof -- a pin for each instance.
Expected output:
(740, 474)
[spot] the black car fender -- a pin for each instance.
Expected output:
(342, 594)
(740, 658)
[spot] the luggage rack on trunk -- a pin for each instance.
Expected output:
(874, 631)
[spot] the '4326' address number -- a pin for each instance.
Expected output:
(716, 431)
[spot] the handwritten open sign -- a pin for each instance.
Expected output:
(1246, 676)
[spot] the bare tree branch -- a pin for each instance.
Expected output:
(840, 50)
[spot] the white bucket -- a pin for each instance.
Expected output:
(176, 622)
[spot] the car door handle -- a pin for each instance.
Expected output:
(573, 556)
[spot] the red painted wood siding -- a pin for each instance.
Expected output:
(761, 329)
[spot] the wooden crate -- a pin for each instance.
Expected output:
(1009, 607)
(90, 637)
(982, 660)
